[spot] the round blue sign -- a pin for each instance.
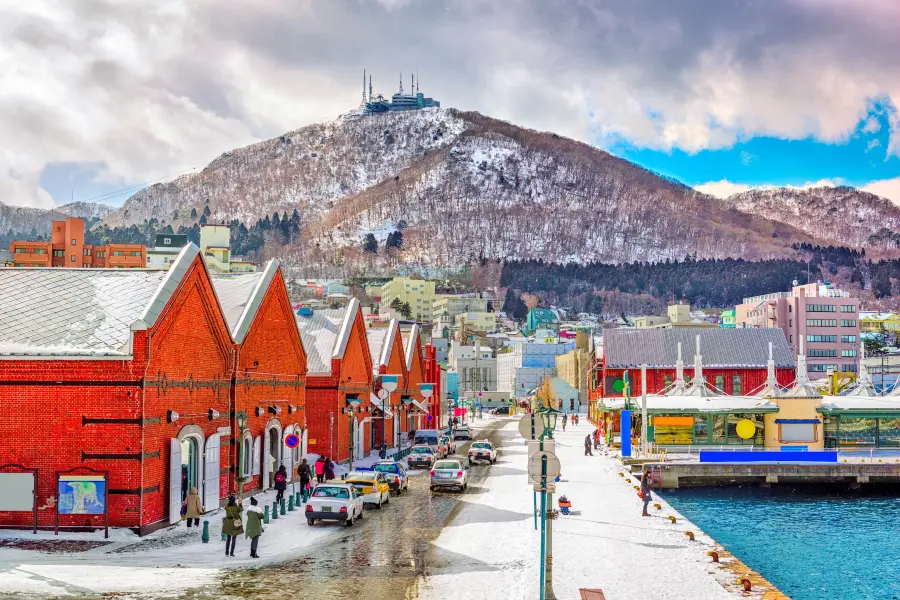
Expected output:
(292, 440)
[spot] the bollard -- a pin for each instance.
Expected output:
(290, 504)
(298, 497)
(266, 514)
(282, 507)
(657, 506)
(274, 510)
(746, 583)
(204, 537)
(672, 519)
(689, 535)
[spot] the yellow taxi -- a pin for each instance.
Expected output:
(372, 485)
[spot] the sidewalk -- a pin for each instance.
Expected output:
(605, 543)
(173, 558)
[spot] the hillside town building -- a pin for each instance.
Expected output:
(67, 248)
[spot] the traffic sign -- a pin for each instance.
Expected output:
(534, 467)
(551, 487)
(383, 394)
(292, 440)
(529, 427)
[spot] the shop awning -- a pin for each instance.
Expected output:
(797, 421)
(381, 405)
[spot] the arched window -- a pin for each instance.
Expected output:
(247, 456)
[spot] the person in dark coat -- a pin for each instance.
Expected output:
(280, 483)
(305, 476)
(232, 525)
(320, 469)
(254, 526)
(646, 496)
(329, 469)
(587, 445)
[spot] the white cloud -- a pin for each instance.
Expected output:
(145, 88)
(725, 188)
(889, 188)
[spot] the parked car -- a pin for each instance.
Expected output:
(482, 451)
(449, 473)
(502, 410)
(448, 442)
(421, 456)
(395, 473)
(334, 502)
(462, 432)
(372, 485)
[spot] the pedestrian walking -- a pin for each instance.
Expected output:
(305, 476)
(320, 469)
(280, 483)
(254, 526)
(573, 419)
(646, 496)
(565, 420)
(232, 525)
(329, 469)
(587, 445)
(576, 418)
(193, 508)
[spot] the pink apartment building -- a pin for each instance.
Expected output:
(825, 318)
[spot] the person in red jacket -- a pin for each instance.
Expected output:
(320, 469)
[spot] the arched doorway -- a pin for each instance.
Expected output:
(271, 453)
(358, 434)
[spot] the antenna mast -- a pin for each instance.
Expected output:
(401, 83)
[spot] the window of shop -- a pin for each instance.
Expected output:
(720, 383)
(719, 429)
(798, 432)
(701, 429)
(737, 385)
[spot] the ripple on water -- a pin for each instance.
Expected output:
(812, 543)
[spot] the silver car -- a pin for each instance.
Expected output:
(449, 473)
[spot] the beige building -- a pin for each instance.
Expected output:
(418, 293)
(451, 306)
(215, 246)
(574, 367)
(477, 321)
(679, 315)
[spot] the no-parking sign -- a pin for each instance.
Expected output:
(292, 440)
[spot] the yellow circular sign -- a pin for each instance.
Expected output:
(745, 429)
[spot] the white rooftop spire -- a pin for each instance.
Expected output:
(698, 385)
(864, 385)
(803, 387)
(771, 388)
(680, 385)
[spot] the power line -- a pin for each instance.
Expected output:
(136, 187)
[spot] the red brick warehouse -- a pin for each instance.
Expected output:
(339, 367)
(269, 375)
(389, 420)
(116, 370)
(418, 412)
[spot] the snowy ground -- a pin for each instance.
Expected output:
(162, 564)
(605, 543)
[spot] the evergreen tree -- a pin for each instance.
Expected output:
(206, 211)
(371, 244)
(193, 213)
(203, 219)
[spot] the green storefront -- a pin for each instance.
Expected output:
(861, 429)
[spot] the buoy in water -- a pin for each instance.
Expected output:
(689, 535)
(714, 555)
(672, 519)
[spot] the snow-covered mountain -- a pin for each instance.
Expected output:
(467, 186)
(24, 219)
(845, 214)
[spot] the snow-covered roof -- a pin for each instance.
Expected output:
(325, 333)
(378, 338)
(240, 295)
(851, 403)
(409, 340)
(674, 404)
(82, 312)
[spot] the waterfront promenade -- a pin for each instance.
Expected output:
(605, 543)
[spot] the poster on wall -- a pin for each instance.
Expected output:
(18, 491)
(81, 494)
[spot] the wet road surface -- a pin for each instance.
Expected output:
(381, 557)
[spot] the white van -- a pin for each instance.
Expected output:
(432, 438)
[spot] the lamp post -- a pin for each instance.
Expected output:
(388, 385)
(427, 390)
(241, 418)
(352, 404)
(548, 416)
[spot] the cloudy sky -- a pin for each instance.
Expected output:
(98, 96)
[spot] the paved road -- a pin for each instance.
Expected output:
(381, 557)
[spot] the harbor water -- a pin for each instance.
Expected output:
(811, 542)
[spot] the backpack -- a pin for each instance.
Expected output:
(279, 477)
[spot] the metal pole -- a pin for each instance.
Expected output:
(548, 565)
(644, 410)
(543, 526)
(350, 427)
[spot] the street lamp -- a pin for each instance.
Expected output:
(548, 417)
(388, 385)
(427, 390)
(241, 418)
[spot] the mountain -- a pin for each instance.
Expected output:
(464, 186)
(24, 219)
(845, 214)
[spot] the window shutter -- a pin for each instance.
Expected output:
(175, 481)
(256, 454)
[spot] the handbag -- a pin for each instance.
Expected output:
(237, 523)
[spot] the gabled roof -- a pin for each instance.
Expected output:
(325, 333)
(629, 348)
(83, 312)
(240, 295)
(381, 342)
(410, 340)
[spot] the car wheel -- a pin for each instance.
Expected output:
(361, 513)
(388, 501)
(378, 506)
(350, 520)
(432, 488)
(471, 462)
(310, 522)
(465, 486)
